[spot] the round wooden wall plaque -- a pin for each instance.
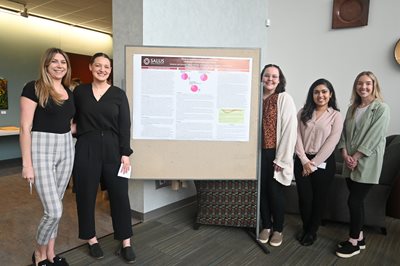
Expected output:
(397, 52)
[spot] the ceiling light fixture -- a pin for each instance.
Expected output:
(24, 13)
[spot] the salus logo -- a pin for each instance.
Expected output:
(157, 61)
(146, 61)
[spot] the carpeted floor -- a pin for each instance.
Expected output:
(171, 240)
(20, 213)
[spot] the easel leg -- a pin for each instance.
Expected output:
(254, 237)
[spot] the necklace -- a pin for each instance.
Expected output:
(99, 91)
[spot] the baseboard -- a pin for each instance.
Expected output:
(11, 162)
(163, 210)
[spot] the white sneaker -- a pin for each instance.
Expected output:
(264, 236)
(276, 239)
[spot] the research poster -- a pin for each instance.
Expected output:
(194, 111)
(191, 97)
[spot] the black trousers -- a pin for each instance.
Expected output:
(313, 191)
(97, 160)
(358, 192)
(272, 201)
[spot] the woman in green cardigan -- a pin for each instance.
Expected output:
(362, 145)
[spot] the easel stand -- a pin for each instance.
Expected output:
(261, 245)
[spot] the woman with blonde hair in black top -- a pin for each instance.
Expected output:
(47, 109)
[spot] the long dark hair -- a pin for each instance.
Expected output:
(310, 105)
(282, 80)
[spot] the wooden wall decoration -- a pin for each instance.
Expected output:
(350, 13)
(397, 52)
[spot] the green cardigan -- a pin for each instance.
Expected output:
(369, 139)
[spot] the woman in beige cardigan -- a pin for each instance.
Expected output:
(279, 124)
(362, 145)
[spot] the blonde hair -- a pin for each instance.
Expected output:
(355, 100)
(44, 86)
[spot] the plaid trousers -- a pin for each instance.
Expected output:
(52, 159)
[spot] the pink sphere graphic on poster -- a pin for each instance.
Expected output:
(194, 88)
(184, 76)
(203, 77)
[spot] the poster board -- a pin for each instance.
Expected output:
(175, 81)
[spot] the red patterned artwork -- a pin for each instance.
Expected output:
(3, 94)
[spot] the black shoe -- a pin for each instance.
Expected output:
(347, 250)
(60, 261)
(41, 263)
(360, 243)
(308, 239)
(95, 251)
(300, 235)
(127, 254)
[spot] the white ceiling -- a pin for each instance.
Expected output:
(90, 14)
